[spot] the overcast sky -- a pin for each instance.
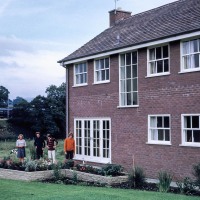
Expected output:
(35, 34)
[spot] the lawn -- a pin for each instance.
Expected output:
(34, 190)
(6, 146)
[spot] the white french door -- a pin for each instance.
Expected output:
(93, 139)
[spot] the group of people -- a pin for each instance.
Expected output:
(51, 143)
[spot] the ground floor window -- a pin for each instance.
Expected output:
(191, 129)
(93, 139)
(159, 129)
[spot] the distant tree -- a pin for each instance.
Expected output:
(19, 101)
(3, 97)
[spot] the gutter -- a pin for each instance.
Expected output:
(67, 98)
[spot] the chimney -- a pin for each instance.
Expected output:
(118, 15)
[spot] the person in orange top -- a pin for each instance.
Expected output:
(69, 146)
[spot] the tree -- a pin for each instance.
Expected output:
(3, 97)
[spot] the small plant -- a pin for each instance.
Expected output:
(75, 178)
(57, 171)
(164, 181)
(137, 177)
(30, 166)
(187, 186)
(68, 164)
(32, 152)
(196, 173)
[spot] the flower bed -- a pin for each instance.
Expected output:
(67, 173)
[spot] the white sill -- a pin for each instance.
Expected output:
(92, 160)
(189, 145)
(189, 71)
(102, 82)
(160, 143)
(82, 85)
(159, 74)
(136, 106)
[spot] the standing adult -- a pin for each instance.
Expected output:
(39, 144)
(51, 145)
(21, 144)
(69, 146)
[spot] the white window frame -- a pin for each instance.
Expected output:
(183, 135)
(100, 70)
(182, 55)
(81, 73)
(92, 158)
(120, 79)
(150, 141)
(155, 60)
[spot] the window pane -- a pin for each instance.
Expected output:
(188, 136)
(128, 71)
(195, 60)
(134, 71)
(123, 99)
(123, 88)
(193, 46)
(159, 66)
(165, 52)
(153, 122)
(106, 62)
(152, 54)
(154, 134)
(98, 76)
(122, 72)
(167, 138)
(160, 134)
(152, 68)
(186, 48)
(103, 75)
(135, 98)
(186, 62)
(187, 121)
(122, 59)
(166, 122)
(195, 122)
(166, 66)
(128, 58)
(128, 85)
(97, 64)
(159, 122)
(134, 57)
(158, 53)
(129, 102)
(134, 83)
(107, 74)
(102, 64)
(196, 135)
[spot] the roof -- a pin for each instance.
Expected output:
(170, 20)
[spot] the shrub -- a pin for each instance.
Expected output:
(187, 186)
(68, 164)
(164, 181)
(136, 177)
(196, 173)
(112, 170)
(30, 166)
(32, 152)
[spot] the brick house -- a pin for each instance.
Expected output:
(133, 91)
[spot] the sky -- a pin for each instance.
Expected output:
(35, 34)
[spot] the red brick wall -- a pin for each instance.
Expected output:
(173, 94)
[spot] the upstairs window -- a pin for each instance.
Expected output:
(80, 74)
(158, 62)
(128, 80)
(191, 130)
(190, 55)
(102, 70)
(159, 129)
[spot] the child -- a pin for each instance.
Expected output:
(21, 144)
(51, 146)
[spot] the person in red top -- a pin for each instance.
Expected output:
(69, 146)
(51, 145)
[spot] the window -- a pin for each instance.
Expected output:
(93, 140)
(159, 129)
(158, 62)
(102, 70)
(80, 71)
(191, 55)
(191, 130)
(128, 79)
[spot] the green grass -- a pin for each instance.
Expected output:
(34, 190)
(7, 146)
